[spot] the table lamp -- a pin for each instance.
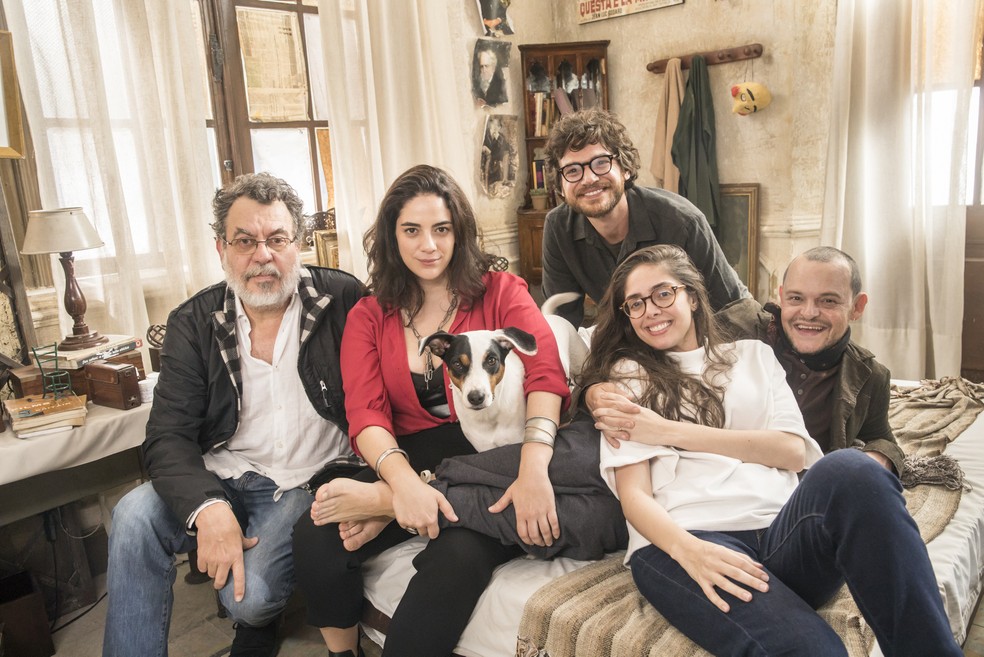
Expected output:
(63, 231)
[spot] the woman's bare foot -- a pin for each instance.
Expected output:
(357, 533)
(343, 500)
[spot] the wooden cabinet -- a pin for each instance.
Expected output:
(530, 224)
(557, 78)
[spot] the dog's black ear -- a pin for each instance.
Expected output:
(438, 343)
(512, 337)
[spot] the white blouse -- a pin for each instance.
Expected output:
(709, 491)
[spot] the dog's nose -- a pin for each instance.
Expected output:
(476, 398)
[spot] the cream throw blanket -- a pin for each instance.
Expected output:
(597, 611)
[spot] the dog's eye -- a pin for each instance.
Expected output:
(457, 367)
(491, 361)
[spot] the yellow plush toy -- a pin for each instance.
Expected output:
(749, 97)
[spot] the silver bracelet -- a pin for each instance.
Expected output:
(537, 439)
(541, 430)
(388, 452)
(542, 423)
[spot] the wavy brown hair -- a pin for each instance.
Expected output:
(390, 280)
(578, 129)
(674, 394)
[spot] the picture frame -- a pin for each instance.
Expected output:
(326, 248)
(737, 231)
(11, 121)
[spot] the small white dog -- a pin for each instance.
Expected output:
(487, 376)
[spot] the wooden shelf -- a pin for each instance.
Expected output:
(555, 75)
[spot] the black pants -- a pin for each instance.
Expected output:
(452, 571)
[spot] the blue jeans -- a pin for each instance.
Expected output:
(146, 536)
(846, 521)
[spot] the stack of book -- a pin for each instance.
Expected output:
(36, 415)
(118, 344)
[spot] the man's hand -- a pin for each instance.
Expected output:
(882, 459)
(606, 396)
(220, 547)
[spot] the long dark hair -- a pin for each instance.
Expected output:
(390, 280)
(674, 394)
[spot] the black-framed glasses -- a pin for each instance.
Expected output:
(599, 166)
(662, 297)
(247, 245)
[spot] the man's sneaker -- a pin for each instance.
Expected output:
(255, 641)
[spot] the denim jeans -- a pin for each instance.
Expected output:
(146, 536)
(846, 521)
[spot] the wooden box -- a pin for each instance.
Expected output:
(113, 384)
(27, 380)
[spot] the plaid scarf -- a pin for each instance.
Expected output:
(313, 305)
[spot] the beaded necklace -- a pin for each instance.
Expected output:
(428, 362)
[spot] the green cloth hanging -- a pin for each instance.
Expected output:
(694, 153)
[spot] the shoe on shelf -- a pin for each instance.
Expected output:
(255, 641)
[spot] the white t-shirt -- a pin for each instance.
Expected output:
(709, 491)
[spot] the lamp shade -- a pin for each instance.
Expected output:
(59, 231)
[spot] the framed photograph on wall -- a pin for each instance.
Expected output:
(738, 231)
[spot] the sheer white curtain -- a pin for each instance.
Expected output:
(116, 108)
(898, 172)
(393, 102)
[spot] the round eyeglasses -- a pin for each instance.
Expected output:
(599, 166)
(662, 297)
(247, 245)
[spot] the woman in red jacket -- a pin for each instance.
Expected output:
(426, 273)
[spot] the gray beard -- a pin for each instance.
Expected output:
(274, 297)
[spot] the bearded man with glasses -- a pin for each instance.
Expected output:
(606, 217)
(248, 407)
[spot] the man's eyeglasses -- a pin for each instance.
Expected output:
(599, 166)
(247, 245)
(662, 297)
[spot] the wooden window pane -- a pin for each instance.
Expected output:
(273, 61)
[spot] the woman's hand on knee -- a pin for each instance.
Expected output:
(417, 507)
(715, 567)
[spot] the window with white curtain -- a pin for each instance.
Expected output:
(269, 103)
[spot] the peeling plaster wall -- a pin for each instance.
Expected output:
(783, 148)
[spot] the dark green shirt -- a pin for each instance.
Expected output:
(577, 259)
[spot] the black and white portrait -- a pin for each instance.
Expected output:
(495, 19)
(500, 158)
(489, 64)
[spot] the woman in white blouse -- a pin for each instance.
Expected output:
(725, 540)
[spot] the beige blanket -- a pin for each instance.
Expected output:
(597, 611)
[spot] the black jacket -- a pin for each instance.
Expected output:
(197, 398)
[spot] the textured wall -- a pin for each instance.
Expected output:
(783, 148)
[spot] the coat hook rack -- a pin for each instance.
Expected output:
(737, 54)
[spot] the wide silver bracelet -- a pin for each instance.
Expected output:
(541, 430)
(386, 453)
